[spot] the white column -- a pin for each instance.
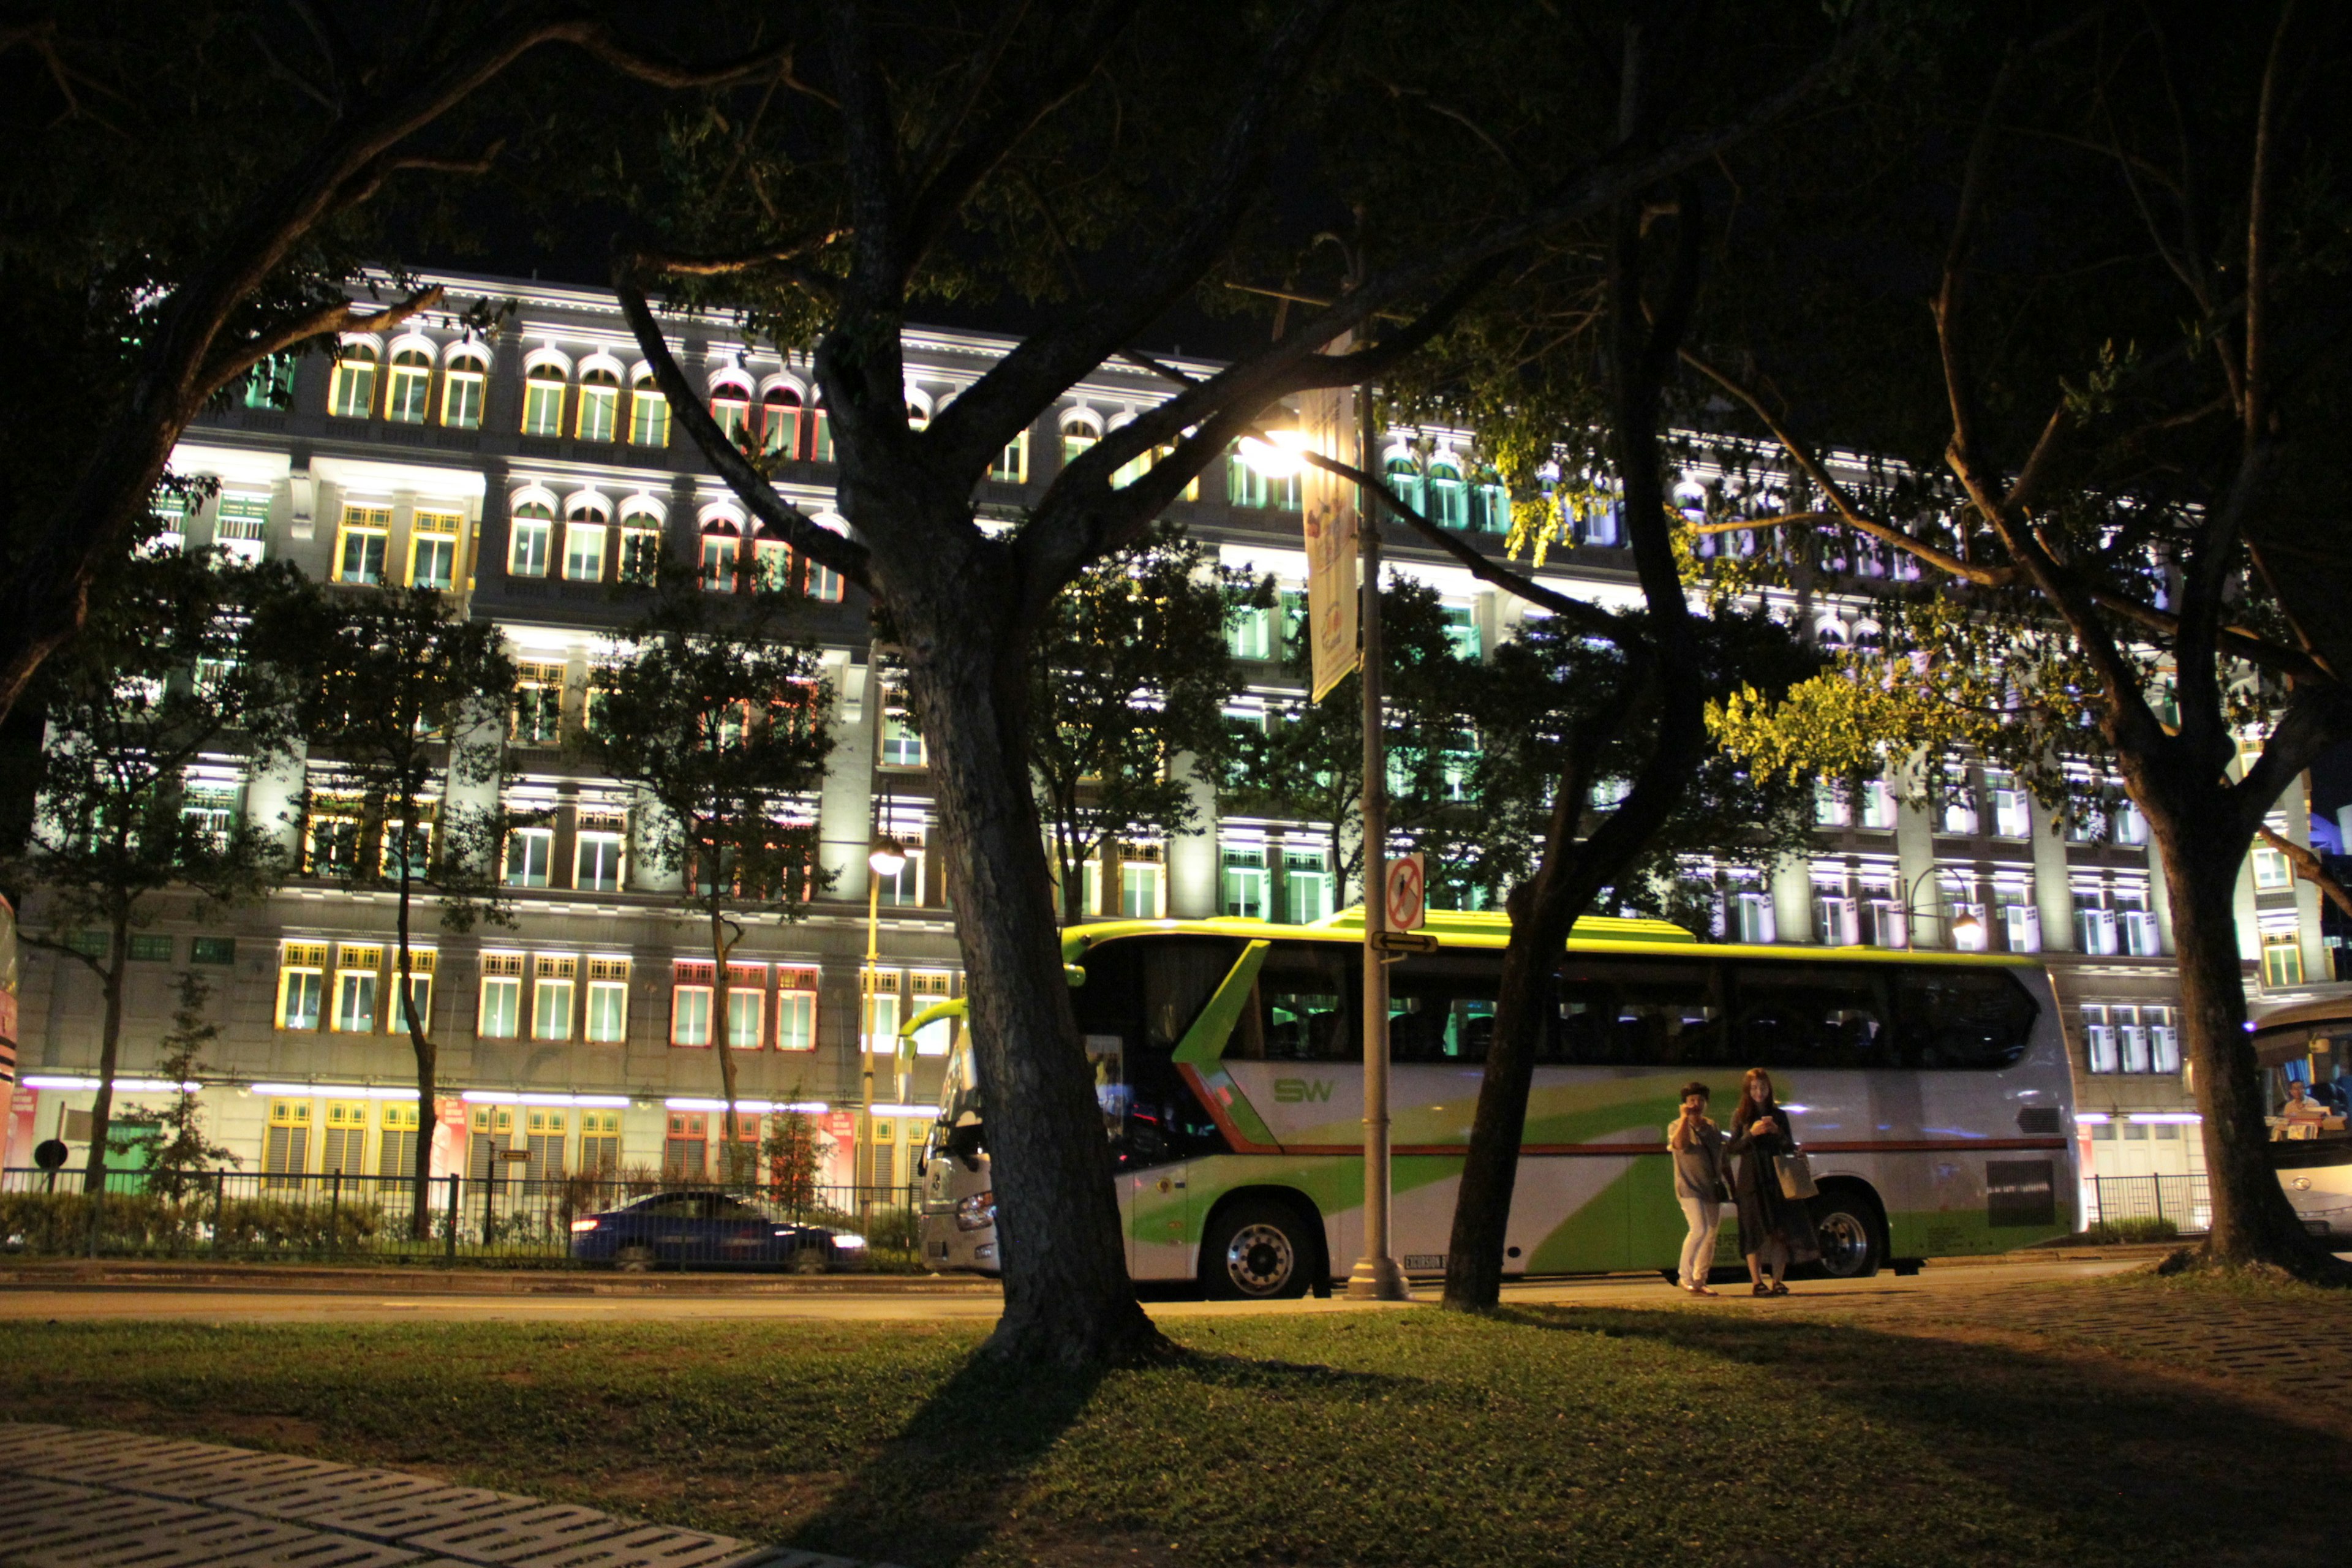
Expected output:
(1915, 858)
(1193, 857)
(1793, 900)
(845, 815)
(2053, 895)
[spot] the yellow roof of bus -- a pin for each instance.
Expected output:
(1478, 929)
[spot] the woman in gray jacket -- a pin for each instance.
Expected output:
(1700, 1184)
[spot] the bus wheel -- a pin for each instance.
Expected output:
(1847, 1227)
(634, 1259)
(1258, 1251)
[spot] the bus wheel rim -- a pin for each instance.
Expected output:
(1845, 1242)
(1259, 1258)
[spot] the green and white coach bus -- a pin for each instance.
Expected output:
(1931, 1090)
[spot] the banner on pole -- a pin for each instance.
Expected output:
(1329, 503)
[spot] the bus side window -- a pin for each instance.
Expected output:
(1441, 1009)
(1811, 1015)
(1963, 1017)
(1307, 1000)
(1632, 1013)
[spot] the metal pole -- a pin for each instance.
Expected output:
(865, 1032)
(1376, 1275)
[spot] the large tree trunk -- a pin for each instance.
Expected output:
(721, 949)
(420, 1042)
(2252, 1220)
(109, 1044)
(1544, 910)
(1067, 1301)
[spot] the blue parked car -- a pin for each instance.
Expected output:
(710, 1229)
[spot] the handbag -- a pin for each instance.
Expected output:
(1796, 1173)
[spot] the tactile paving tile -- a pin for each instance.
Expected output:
(339, 1490)
(317, 1550)
(398, 1519)
(75, 1498)
(644, 1546)
(541, 1533)
(86, 1522)
(180, 1544)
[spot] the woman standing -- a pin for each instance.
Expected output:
(1700, 1184)
(1774, 1231)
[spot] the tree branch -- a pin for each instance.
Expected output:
(821, 545)
(2307, 865)
(1852, 515)
(1582, 613)
(342, 317)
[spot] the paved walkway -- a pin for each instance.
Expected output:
(2296, 1342)
(110, 1499)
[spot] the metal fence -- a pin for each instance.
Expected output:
(505, 1220)
(2127, 1203)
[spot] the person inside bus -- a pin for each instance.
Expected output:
(2301, 1107)
(1775, 1231)
(1700, 1184)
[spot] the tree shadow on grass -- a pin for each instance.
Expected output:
(946, 1483)
(2160, 1467)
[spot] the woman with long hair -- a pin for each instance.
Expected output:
(1774, 1231)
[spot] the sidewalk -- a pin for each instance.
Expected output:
(427, 1278)
(93, 1498)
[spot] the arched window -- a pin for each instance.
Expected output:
(584, 529)
(352, 394)
(270, 383)
(648, 412)
(1490, 504)
(772, 563)
(1011, 464)
(542, 399)
(1449, 493)
(780, 421)
(1403, 476)
(820, 428)
(731, 410)
(721, 542)
(600, 404)
(461, 389)
(919, 409)
(1081, 428)
(823, 583)
(410, 389)
(530, 539)
(641, 540)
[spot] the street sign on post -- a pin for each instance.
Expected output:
(1407, 892)
(1328, 422)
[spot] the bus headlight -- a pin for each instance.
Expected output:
(583, 1226)
(977, 1212)
(848, 1241)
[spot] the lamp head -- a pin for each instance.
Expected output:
(888, 856)
(1279, 455)
(1968, 925)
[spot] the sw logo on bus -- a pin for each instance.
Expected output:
(1299, 1090)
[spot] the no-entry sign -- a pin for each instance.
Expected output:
(1406, 901)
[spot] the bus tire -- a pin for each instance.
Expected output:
(1259, 1249)
(1852, 1238)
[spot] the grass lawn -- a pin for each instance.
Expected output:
(1544, 1436)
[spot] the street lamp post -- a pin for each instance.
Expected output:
(1966, 925)
(887, 858)
(1277, 454)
